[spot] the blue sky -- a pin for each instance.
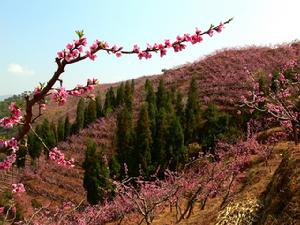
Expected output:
(32, 31)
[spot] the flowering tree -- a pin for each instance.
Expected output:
(278, 95)
(75, 52)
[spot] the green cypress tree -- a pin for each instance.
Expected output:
(161, 95)
(34, 144)
(80, 115)
(158, 154)
(177, 153)
(90, 113)
(61, 130)
(143, 140)
(132, 87)
(152, 110)
(21, 156)
(125, 139)
(96, 174)
(54, 130)
(109, 101)
(99, 106)
(120, 95)
(192, 114)
(128, 98)
(114, 167)
(67, 127)
(179, 108)
(215, 124)
(47, 135)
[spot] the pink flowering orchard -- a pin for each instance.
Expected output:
(74, 52)
(278, 97)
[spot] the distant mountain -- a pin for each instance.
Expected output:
(2, 97)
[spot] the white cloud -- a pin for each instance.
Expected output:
(19, 69)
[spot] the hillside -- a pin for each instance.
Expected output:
(55, 185)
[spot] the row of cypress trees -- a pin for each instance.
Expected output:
(165, 127)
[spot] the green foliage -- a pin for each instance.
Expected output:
(61, 130)
(80, 115)
(125, 139)
(143, 140)
(179, 107)
(96, 174)
(99, 110)
(34, 144)
(177, 152)
(160, 142)
(67, 127)
(47, 135)
(109, 103)
(21, 156)
(129, 95)
(120, 95)
(114, 167)
(216, 123)
(90, 113)
(192, 114)
(161, 95)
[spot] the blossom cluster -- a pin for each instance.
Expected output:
(72, 50)
(15, 117)
(58, 157)
(18, 188)
(60, 95)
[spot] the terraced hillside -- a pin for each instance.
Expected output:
(55, 185)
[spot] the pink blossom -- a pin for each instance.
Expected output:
(69, 46)
(220, 27)
(90, 55)
(136, 48)
(15, 117)
(60, 96)
(210, 32)
(18, 188)
(60, 54)
(168, 43)
(58, 157)
(118, 54)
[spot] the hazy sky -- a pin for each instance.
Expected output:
(32, 31)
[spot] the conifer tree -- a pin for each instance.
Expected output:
(125, 139)
(54, 130)
(128, 96)
(90, 113)
(61, 130)
(179, 107)
(21, 156)
(109, 101)
(151, 102)
(114, 167)
(47, 134)
(158, 154)
(177, 153)
(96, 175)
(67, 127)
(215, 124)
(143, 140)
(192, 114)
(161, 95)
(120, 95)
(99, 110)
(132, 87)
(80, 115)
(34, 144)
